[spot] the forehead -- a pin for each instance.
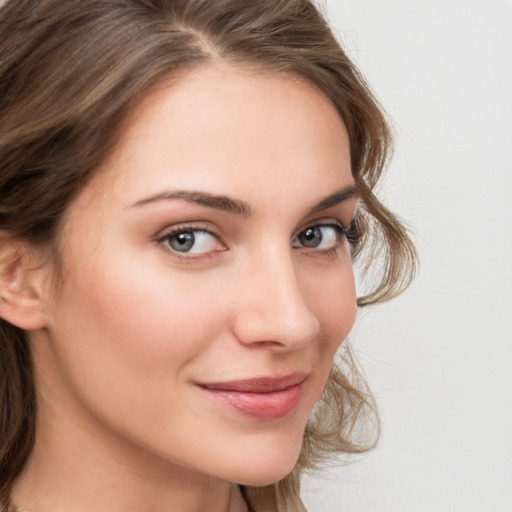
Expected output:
(218, 126)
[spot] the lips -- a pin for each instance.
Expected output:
(265, 398)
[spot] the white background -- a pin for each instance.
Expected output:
(439, 359)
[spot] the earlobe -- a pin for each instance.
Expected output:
(21, 297)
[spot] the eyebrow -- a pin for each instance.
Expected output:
(338, 197)
(224, 203)
(241, 208)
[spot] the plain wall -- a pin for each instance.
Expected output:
(439, 359)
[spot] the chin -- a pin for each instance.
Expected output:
(266, 469)
(264, 479)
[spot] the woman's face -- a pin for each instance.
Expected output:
(206, 281)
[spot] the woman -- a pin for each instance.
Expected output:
(184, 187)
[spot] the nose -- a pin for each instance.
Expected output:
(272, 309)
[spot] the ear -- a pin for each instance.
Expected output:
(21, 285)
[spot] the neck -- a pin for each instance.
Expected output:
(236, 503)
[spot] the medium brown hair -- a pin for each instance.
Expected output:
(69, 73)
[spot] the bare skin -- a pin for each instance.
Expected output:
(165, 291)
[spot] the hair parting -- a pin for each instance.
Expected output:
(71, 71)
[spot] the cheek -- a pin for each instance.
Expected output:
(124, 344)
(124, 335)
(151, 318)
(333, 298)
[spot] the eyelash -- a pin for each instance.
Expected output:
(189, 228)
(343, 232)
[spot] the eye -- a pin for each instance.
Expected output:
(321, 236)
(191, 241)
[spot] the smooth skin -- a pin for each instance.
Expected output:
(160, 288)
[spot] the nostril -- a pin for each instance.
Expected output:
(276, 328)
(273, 310)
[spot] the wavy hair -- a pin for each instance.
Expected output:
(70, 71)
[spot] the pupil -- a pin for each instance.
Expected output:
(311, 237)
(182, 242)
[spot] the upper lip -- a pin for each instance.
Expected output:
(258, 384)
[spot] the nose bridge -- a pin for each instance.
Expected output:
(274, 307)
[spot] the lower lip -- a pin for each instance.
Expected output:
(263, 406)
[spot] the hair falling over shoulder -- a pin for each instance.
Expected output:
(69, 73)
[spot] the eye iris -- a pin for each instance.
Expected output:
(311, 237)
(182, 242)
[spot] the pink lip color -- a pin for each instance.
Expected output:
(263, 398)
